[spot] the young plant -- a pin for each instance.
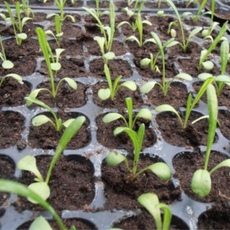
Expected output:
(6, 64)
(39, 120)
(28, 163)
(144, 113)
(11, 75)
(25, 7)
(17, 23)
(22, 190)
(185, 42)
(161, 48)
(138, 24)
(201, 183)
(205, 53)
(151, 202)
(114, 158)
(165, 83)
(114, 86)
(53, 65)
(189, 106)
(58, 21)
(137, 7)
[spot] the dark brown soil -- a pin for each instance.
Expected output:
(122, 192)
(172, 132)
(11, 126)
(224, 119)
(71, 183)
(46, 136)
(189, 162)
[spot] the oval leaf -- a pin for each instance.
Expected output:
(184, 76)
(147, 87)
(55, 66)
(114, 158)
(201, 183)
(40, 223)
(208, 65)
(7, 64)
(204, 76)
(131, 85)
(41, 189)
(22, 36)
(40, 120)
(28, 163)
(104, 94)
(68, 122)
(145, 113)
(111, 117)
(16, 77)
(161, 169)
(109, 55)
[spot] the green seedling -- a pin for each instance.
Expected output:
(201, 183)
(191, 103)
(151, 202)
(137, 25)
(114, 158)
(206, 33)
(137, 7)
(144, 113)
(53, 66)
(39, 120)
(161, 48)
(59, 18)
(18, 22)
(25, 7)
(22, 190)
(6, 64)
(165, 83)
(114, 86)
(11, 75)
(28, 163)
(185, 42)
(205, 53)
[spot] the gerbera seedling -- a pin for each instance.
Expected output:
(12, 75)
(191, 103)
(114, 86)
(144, 113)
(28, 163)
(18, 22)
(201, 183)
(151, 202)
(115, 158)
(6, 64)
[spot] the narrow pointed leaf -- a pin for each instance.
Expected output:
(68, 122)
(15, 76)
(225, 163)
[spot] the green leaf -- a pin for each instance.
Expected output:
(131, 85)
(104, 94)
(55, 66)
(114, 158)
(150, 201)
(111, 117)
(40, 188)
(223, 78)
(7, 64)
(68, 122)
(161, 169)
(145, 114)
(109, 55)
(40, 120)
(22, 36)
(225, 163)
(145, 62)
(71, 82)
(208, 65)
(16, 77)
(147, 87)
(101, 42)
(204, 76)
(31, 98)
(40, 223)
(28, 163)
(184, 76)
(201, 183)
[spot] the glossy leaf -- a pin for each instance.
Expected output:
(161, 169)
(201, 183)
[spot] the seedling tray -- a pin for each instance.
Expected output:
(185, 211)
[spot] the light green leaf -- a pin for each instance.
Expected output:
(40, 120)
(147, 87)
(165, 108)
(104, 94)
(208, 65)
(24, 20)
(7, 64)
(204, 76)
(114, 158)
(55, 66)
(41, 189)
(201, 183)
(145, 114)
(22, 36)
(145, 62)
(68, 122)
(225, 163)
(100, 41)
(111, 117)
(40, 223)
(184, 76)
(109, 55)
(161, 169)
(71, 82)
(28, 163)
(223, 78)
(16, 77)
(131, 85)
(32, 96)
